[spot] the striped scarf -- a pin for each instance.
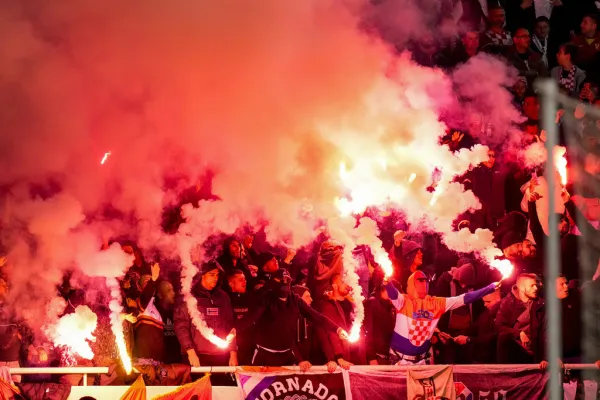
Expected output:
(567, 83)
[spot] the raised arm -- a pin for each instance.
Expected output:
(469, 298)
(395, 296)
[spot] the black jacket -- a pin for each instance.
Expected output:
(276, 321)
(216, 310)
(511, 308)
(569, 243)
(242, 304)
(443, 289)
(488, 185)
(484, 336)
(340, 312)
(380, 321)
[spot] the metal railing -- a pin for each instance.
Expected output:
(471, 368)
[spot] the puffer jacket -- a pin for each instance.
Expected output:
(511, 308)
(217, 312)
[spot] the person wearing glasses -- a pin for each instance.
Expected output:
(520, 56)
(418, 315)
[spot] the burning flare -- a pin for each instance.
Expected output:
(105, 157)
(382, 258)
(115, 322)
(187, 274)
(560, 162)
(75, 332)
(504, 266)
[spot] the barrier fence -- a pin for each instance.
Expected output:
(466, 382)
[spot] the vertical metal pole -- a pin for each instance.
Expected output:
(554, 349)
(84, 379)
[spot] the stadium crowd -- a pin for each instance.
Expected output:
(294, 306)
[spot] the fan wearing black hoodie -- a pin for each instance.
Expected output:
(215, 306)
(380, 320)
(276, 320)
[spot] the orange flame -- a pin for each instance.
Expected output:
(560, 162)
(504, 266)
(384, 261)
(75, 332)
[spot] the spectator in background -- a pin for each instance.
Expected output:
(572, 328)
(517, 322)
(380, 318)
(473, 15)
(519, 91)
(232, 258)
(528, 62)
(215, 306)
(425, 50)
(566, 18)
(487, 183)
(523, 13)
(567, 75)
(588, 42)
(470, 43)
(338, 308)
(496, 39)
(531, 107)
(540, 41)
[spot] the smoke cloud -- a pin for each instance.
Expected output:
(269, 96)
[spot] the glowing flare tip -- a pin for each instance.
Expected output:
(354, 333)
(220, 343)
(561, 166)
(504, 266)
(105, 157)
(386, 264)
(412, 178)
(75, 332)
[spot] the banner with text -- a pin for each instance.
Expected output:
(289, 385)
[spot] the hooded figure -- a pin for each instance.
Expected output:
(329, 262)
(418, 315)
(406, 258)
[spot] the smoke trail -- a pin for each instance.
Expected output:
(188, 272)
(116, 324)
